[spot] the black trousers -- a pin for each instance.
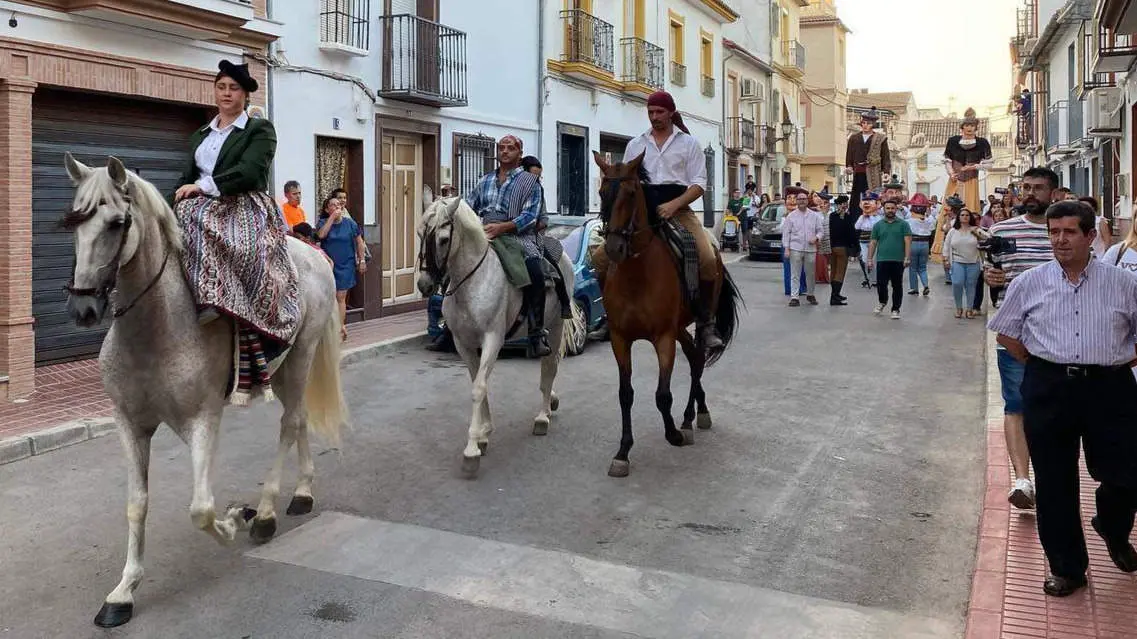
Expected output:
(978, 302)
(890, 274)
(860, 185)
(1061, 410)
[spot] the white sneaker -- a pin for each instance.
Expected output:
(895, 314)
(878, 309)
(1022, 495)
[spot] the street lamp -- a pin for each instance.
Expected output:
(788, 130)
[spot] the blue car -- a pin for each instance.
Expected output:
(576, 233)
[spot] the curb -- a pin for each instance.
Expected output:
(988, 581)
(34, 444)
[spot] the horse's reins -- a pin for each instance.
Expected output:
(103, 290)
(629, 232)
(437, 271)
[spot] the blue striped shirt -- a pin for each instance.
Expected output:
(493, 201)
(1093, 322)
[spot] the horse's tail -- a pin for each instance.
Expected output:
(323, 394)
(726, 315)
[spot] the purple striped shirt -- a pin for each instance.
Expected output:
(1091, 322)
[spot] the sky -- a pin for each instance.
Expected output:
(948, 53)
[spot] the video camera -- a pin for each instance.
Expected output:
(995, 246)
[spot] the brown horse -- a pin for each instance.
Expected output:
(644, 299)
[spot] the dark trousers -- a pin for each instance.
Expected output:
(860, 185)
(978, 302)
(995, 291)
(1059, 412)
(890, 274)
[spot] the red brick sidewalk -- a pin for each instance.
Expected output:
(1007, 601)
(67, 392)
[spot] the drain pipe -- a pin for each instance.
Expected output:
(541, 79)
(270, 101)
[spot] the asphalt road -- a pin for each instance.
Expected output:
(836, 496)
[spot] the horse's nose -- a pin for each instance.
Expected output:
(616, 248)
(83, 310)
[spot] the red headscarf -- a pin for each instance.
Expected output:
(664, 99)
(514, 139)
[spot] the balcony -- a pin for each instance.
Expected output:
(708, 86)
(1118, 16)
(793, 53)
(764, 141)
(1110, 52)
(678, 74)
(589, 52)
(1057, 133)
(194, 19)
(643, 66)
(345, 27)
(1075, 130)
(1024, 130)
(423, 62)
(740, 135)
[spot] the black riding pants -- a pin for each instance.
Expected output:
(1063, 408)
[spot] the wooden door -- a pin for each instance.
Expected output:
(402, 189)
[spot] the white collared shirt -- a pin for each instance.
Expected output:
(210, 149)
(800, 228)
(678, 161)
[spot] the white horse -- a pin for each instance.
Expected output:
(160, 366)
(481, 309)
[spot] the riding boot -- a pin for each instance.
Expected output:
(707, 332)
(535, 298)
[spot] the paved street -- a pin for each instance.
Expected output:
(837, 496)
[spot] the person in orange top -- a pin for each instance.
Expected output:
(293, 214)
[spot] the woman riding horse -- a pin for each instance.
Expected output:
(236, 257)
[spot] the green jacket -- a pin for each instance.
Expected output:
(244, 162)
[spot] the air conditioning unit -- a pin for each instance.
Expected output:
(1104, 112)
(753, 91)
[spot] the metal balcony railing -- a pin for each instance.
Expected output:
(643, 62)
(794, 53)
(1074, 128)
(346, 23)
(740, 134)
(1024, 130)
(709, 86)
(764, 136)
(424, 62)
(1109, 53)
(1025, 26)
(588, 39)
(678, 74)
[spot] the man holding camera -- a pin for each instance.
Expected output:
(1031, 241)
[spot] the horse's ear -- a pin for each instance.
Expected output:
(76, 169)
(452, 208)
(427, 196)
(116, 171)
(600, 161)
(634, 165)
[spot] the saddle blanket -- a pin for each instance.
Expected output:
(683, 248)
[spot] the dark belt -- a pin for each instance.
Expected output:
(1075, 371)
(865, 237)
(921, 238)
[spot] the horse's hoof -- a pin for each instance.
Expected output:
(300, 505)
(248, 513)
(112, 615)
(262, 530)
(703, 421)
(470, 467)
(555, 403)
(541, 427)
(619, 468)
(688, 436)
(676, 438)
(483, 446)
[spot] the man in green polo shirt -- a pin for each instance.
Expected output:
(889, 252)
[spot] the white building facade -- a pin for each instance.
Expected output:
(386, 98)
(749, 126)
(601, 62)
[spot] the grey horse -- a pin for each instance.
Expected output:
(481, 309)
(160, 366)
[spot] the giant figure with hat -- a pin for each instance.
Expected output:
(867, 158)
(964, 156)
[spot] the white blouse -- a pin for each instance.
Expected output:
(210, 149)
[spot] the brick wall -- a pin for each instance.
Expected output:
(17, 340)
(259, 71)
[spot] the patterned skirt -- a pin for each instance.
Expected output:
(236, 260)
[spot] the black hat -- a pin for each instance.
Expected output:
(824, 194)
(872, 115)
(841, 199)
(894, 183)
(239, 73)
(954, 201)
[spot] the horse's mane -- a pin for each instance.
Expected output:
(99, 188)
(645, 180)
(468, 224)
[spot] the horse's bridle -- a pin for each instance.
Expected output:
(427, 263)
(103, 291)
(629, 232)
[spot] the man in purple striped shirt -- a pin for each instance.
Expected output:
(1073, 322)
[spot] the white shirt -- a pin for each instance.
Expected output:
(799, 228)
(1099, 244)
(866, 222)
(961, 246)
(210, 149)
(925, 227)
(678, 161)
(1128, 258)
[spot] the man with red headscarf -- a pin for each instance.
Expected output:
(676, 170)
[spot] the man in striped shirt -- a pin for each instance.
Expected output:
(1073, 323)
(1033, 248)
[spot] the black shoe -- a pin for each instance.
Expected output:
(913, 292)
(866, 284)
(927, 291)
(538, 336)
(539, 346)
(837, 301)
(1122, 554)
(1056, 586)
